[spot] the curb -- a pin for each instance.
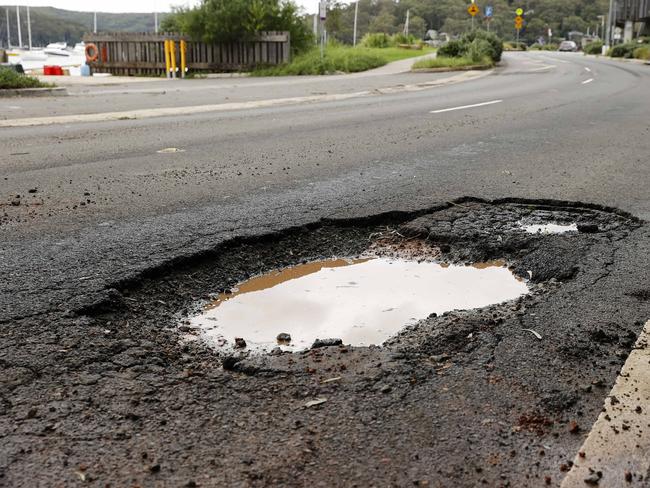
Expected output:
(640, 62)
(33, 92)
(475, 67)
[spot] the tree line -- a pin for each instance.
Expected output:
(450, 16)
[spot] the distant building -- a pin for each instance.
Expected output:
(633, 10)
(632, 17)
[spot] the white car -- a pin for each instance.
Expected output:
(568, 46)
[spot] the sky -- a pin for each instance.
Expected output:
(126, 5)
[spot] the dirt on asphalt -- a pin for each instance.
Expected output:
(123, 392)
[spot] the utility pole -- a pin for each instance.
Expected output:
(608, 40)
(155, 17)
(356, 14)
(406, 24)
(95, 22)
(20, 34)
(29, 29)
(8, 28)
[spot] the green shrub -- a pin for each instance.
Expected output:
(475, 45)
(444, 62)
(337, 59)
(642, 52)
(452, 49)
(377, 39)
(514, 46)
(625, 50)
(479, 49)
(595, 47)
(495, 42)
(11, 79)
(543, 47)
(404, 39)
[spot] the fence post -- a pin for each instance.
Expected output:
(167, 60)
(183, 48)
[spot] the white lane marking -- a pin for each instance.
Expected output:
(549, 66)
(587, 81)
(463, 107)
(617, 446)
(588, 69)
(231, 106)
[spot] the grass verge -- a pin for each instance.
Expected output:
(10, 79)
(339, 59)
(452, 63)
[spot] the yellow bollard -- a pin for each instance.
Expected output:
(183, 48)
(172, 54)
(167, 60)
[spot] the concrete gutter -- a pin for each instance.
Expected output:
(615, 453)
(33, 92)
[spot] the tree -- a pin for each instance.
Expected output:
(239, 20)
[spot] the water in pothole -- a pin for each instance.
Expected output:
(362, 301)
(550, 228)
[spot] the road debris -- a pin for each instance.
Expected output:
(313, 403)
(535, 333)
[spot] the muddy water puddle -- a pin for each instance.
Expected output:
(362, 301)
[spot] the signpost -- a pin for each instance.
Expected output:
(519, 22)
(322, 12)
(489, 11)
(472, 10)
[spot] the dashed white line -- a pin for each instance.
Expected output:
(463, 107)
(587, 81)
(588, 69)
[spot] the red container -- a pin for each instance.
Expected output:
(53, 70)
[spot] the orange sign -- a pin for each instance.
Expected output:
(519, 22)
(472, 9)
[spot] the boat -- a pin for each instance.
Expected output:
(57, 49)
(80, 48)
(33, 55)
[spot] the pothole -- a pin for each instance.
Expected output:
(360, 301)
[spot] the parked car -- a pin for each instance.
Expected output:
(568, 46)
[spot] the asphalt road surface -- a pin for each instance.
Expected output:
(86, 206)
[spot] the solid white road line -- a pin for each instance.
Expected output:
(463, 107)
(549, 66)
(587, 81)
(231, 106)
(615, 452)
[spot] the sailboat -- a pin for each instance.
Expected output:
(57, 49)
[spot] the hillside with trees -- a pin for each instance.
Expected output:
(450, 16)
(220, 19)
(52, 24)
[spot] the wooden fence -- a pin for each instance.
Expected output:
(126, 53)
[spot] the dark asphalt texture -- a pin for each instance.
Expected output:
(90, 397)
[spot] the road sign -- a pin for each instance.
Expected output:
(519, 12)
(519, 23)
(322, 9)
(472, 9)
(489, 10)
